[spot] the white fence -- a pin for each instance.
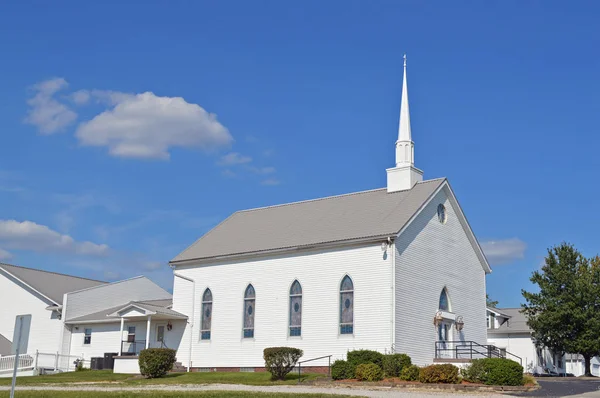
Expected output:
(7, 363)
(42, 362)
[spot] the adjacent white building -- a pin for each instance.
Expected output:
(391, 269)
(39, 295)
(509, 332)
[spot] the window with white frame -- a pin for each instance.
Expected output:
(346, 306)
(131, 334)
(87, 336)
(207, 301)
(296, 309)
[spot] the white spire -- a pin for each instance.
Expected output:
(404, 175)
(404, 133)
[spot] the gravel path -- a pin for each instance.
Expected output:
(364, 392)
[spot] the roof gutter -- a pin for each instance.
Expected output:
(337, 243)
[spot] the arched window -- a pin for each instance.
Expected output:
(296, 309)
(444, 302)
(206, 315)
(346, 306)
(249, 299)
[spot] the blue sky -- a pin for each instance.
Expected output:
(128, 130)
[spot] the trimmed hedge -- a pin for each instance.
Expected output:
(156, 362)
(494, 371)
(410, 373)
(394, 363)
(445, 373)
(368, 372)
(341, 370)
(280, 361)
(358, 357)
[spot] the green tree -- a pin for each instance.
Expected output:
(565, 313)
(489, 302)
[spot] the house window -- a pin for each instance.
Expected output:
(131, 334)
(444, 303)
(87, 336)
(206, 314)
(346, 306)
(249, 300)
(296, 309)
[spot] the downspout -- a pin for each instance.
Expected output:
(392, 246)
(189, 367)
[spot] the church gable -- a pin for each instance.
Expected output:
(438, 269)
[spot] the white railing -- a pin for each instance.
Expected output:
(42, 361)
(25, 361)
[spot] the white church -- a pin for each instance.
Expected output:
(396, 269)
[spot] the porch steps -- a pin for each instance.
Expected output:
(178, 368)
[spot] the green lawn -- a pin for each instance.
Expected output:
(68, 377)
(159, 394)
(96, 376)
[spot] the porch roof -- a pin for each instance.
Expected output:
(159, 308)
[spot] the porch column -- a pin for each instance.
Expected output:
(121, 337)
(148, 331)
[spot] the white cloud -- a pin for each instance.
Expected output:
(28, 235)
(4, 255)
(270, 181)
(81, 97)
(148, 126)
(49, 115)
(233, 158)
(504, 251)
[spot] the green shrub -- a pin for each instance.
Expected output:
(368, 372)
(439, 374)
(410, 373)
(474, 372)
(341, 370)
(358, 357)
(156, 362)
(280, 361)
(494, 371)
(394, 363)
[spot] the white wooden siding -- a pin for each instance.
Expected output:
(101, 297)
(319, 273)
(16, 299)
(430, 256)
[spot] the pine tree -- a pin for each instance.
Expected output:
(565, 314)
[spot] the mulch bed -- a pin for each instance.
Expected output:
(397, 383)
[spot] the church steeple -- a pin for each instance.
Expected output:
(404, 175)
(404, 145)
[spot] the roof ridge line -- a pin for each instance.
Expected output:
(52, 272)
(332, 197)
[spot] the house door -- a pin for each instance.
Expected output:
(161, 336)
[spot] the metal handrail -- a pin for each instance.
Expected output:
(470, 348)
(314, 359)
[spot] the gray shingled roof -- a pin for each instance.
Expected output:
(517, 323)
(158, 306)
(354, 216)
(50, 284)
(5, 346)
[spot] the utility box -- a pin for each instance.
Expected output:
(109, 360)
(97, 363)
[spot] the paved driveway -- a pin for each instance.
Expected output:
(565, 387)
